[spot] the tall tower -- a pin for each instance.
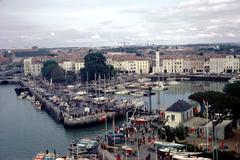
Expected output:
(157, 67)
(157, 60)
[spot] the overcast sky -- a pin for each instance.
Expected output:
(60, 23)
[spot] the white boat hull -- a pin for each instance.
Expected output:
(173, 82)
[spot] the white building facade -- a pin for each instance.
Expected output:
(67, 65)
(213, 64)
(178, 113)
(32, 68)
(27, 63)
(157, 68)
(173, 65)
(36, 69)
(231, 64)
(78, 66)
(129, 64)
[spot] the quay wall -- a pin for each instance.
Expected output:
(10, 81)
(86, 120)
(48, 106)
(194, 77)
(59, 116)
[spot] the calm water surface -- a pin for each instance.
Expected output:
(25, 131)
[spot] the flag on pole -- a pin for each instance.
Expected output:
(113, 124)
(102, 118)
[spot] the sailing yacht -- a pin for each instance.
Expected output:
(160, 86)
(122, 92)
(172, 81)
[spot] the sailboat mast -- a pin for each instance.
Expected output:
(104, 86)
(95, 76)
(207, 125)
(99, 86)
(114, 133)
(106, 128)
(87, 83)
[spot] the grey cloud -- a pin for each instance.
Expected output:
(70, 22)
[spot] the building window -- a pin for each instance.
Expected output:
(173, 117)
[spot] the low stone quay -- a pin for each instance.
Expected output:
(203, 77)
(55, 112)
(87, 120)
(63, 117)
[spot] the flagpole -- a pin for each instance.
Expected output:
(87, 83)
(95, 76)
(114, 134)
(156, 152)
(137, 146)
(207, 125)
(126, 133)
(106, 128)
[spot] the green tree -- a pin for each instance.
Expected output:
(233, 92)
(169, 133)
(95, 64)
(51, 70)
(232, 89)
(227, 106)
(71, 77)
(180, 132)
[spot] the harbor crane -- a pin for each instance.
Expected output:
(124, 45)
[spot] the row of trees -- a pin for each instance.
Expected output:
(95, 65)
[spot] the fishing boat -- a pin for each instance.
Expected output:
(72, 150)
(32, 99)
(100, 100)
(46, 156)
(173, 82)
(122, 92)
(79, 98)
(234, 79)
(142, 80)
(81, 93)
(185, 79)
(29, 98)
(159, 88)
(137, 93)
(163, 145)
(89, 145)
(188, 157)
(50, 156)
(39, 156)
(110, 90)
(119, 86)
(177, 151)
(86, 148)
(23, 95)
(38, 105)
(159, 85)
(144, 87)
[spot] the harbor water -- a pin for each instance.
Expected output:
(25, 131)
